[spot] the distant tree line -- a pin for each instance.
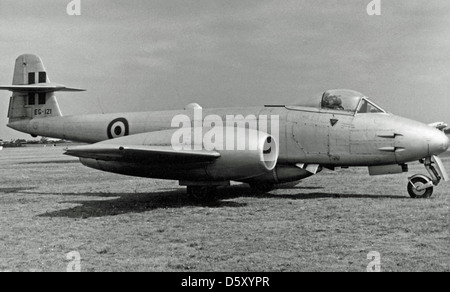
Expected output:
(23, 142)
(13, 143)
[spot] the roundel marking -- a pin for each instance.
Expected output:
(118, 128)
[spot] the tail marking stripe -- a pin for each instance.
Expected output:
(31, 78)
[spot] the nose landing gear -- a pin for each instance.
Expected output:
(421, 186)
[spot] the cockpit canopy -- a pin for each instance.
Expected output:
(343, 100)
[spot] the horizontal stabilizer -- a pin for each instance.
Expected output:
(142, 154)
(42, 87)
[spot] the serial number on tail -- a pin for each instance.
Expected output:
(39, 112)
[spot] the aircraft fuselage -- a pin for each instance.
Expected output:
(306, 135)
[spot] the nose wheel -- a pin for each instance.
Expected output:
(420, 187)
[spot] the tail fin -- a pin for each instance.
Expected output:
(33, 93)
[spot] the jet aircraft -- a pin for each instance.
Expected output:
(338, 129)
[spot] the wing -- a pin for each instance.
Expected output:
(142, 154)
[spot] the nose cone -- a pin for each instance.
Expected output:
(438, 143)
(416, 140)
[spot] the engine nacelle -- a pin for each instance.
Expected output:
(244, 161)
(244, 153)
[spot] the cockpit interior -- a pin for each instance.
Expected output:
(344, 100)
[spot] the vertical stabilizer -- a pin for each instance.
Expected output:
(29, 72)
(29, 69)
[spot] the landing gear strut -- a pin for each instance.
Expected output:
(421, 186)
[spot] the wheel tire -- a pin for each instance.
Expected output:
(262, 188)
(415, 194)
(201, 193)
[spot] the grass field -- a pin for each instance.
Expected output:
(51, 205)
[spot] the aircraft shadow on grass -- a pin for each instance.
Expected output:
(15, 190)
(123, 203)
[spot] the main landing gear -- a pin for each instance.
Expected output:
(262, 187)
(421, 186)
(201, 193)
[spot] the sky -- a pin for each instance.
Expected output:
(144, 55)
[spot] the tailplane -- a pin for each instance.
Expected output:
(33, 95)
